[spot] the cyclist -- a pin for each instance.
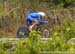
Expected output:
(35, 18)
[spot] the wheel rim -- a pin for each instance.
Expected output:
(21, 33)
(46, 33)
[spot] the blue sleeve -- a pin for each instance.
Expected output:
(39, 18)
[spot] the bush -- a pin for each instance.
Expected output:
(33, 44)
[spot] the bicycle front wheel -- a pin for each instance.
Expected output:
(45, 32)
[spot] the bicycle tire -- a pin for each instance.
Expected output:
(42, 30)
(45, 32)
(23, 32)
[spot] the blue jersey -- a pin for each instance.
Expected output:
(32, 16)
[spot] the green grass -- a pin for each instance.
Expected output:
(33, 45)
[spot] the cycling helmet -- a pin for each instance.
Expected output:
(41, 13)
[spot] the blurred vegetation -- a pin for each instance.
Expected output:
(61, 18)
(58, 44)
(14, 12)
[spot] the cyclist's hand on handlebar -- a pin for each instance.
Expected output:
(46, 22)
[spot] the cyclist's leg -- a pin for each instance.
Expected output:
(39, 26)
(32, 23)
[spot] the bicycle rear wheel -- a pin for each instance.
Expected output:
(23, 32)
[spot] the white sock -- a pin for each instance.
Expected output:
(30, 27)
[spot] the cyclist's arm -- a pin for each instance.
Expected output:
(40, 21)
(43, 22)
(39, 18)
